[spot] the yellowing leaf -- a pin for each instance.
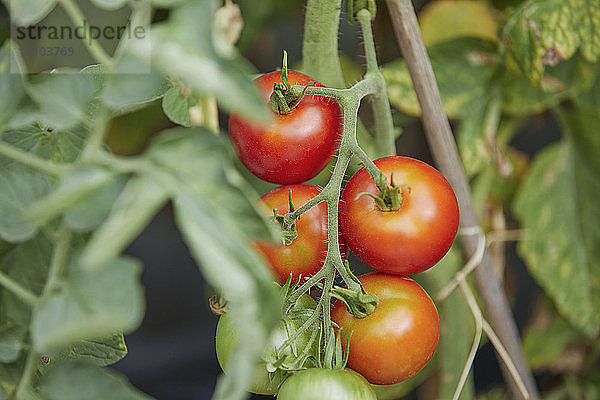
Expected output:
(448, 19)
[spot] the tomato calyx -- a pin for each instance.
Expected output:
(286, 97)
(358, 302)
(389, 197)
(218, 305)
(335, 355)
(288, 228)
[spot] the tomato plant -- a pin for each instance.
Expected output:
(305, 254)
(293, 147)
(323, 383)
(411, 238)
(399, 338)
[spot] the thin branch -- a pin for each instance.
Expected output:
(30, 160)
(445, 153)
(28, 297)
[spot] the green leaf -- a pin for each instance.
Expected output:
(55, 145)
(63, 98)
(29, 12)
(10, 375)
(101, 352)
(11, 343)
(137, 204)
(12, 90)
(127, 88)
(204, 65)
(456, 325)
(463, 67)
(76, 185)
(19, 187)
(89, 305)
(67, 380)
(177, 107)
(558, 204)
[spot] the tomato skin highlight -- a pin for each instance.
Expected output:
(306, 254)
(294, 147)
(405, 241)
(399, 338)
(326, 384)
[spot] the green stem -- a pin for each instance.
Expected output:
(93, 46)
(25, 386)
(320, 58)
(18, 290)
(32, 161)
(96, 139)
(382, 115)
(60, 257)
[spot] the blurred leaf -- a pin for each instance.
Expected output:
(89, 305)
(11, 343)
(74, 186)
(127, 86)
(101, 352)
(456, 325)
(177, 107)
(27, 264)
(589, 100)
(10, 375)
(29, 12)
(67, 380)
(97, 73)
(110, 4)
(135, 207)
(463, 68)
(448, 19)
(205, 66)
(11, 82)
(62, 97)
(494, 394)
(19, 187)
(557, 203)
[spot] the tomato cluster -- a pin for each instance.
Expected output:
(400, 224)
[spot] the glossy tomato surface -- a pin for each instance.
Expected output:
(294, 147)
(410, 239)
(326, 384)
(306, 254)
(399, 338)
(228, 337)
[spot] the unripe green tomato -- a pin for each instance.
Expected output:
(326, 384)
(227, 338)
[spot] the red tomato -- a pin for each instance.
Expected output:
(294, 147)
(410, 239)
(399, 338)
(306, 254)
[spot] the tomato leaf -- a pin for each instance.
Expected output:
(19, 187)
(205, 65)
(557, 203)
(62, 97)
(12, 90)
(89, 305)
(463, 67)
(12, 341)
(101, 352)
(177, 107)
(67, 380)
(110, 4)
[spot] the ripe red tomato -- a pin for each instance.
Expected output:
(399, 338)
(410, 239)
(326, 384)
(294, 147)
(306, 254)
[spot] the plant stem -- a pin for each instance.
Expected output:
(382, 115)
(30, 160)
(60, 257)
(96, 138)
(92, 45)
(445, 153)
(320, 57)
(26, 383)
(18, 290)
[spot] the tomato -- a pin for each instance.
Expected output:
(408, 240)
(227, 338)
(326, 384)
(293, 147)
(306, 254)
(399, 338)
